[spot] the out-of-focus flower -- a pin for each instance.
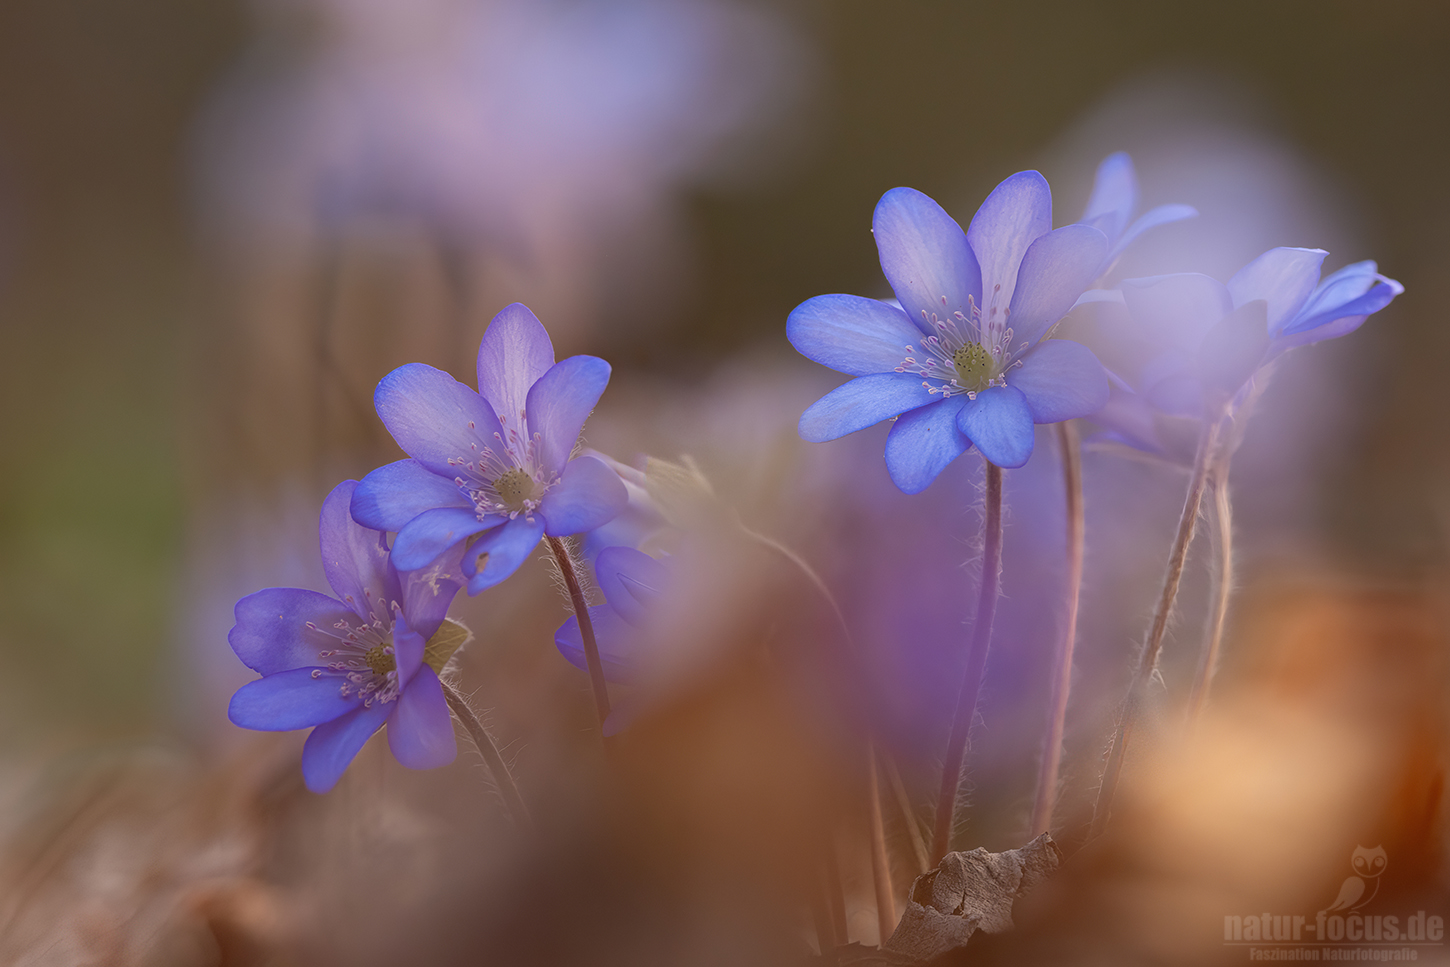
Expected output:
(543, 140)
(346, 666)
(495, 462)
(964, 360)
(633, 583)
(1111, 207)
(1213, 338)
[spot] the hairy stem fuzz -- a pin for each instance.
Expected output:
(486, 747)
(954, 762)
(1153, 645)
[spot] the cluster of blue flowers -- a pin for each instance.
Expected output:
(490, 474)
(967, 356)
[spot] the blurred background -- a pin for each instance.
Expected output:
(221, 223)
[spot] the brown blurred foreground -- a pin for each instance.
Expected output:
(696, 839)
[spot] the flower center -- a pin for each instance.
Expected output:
(515, 488)
(975, 367)
(362, 656)
(380, 659)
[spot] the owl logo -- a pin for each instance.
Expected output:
(1356, 891)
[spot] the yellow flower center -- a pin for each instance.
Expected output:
(975, 367)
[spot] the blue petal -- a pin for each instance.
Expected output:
(271, 633)
(1057, 268)
(922, 443)
(999, 422)
(560, 402)
(864, 401)
(1115, 195)
(290, 700)
(432, 533)
(1062, 380)
(408, 648)
(1340, 320)
(355, 558)
(616, 640)
(631, 580)
(1178, 309)
(1015, 214)
(392, 495)
(435, 419)
(1337, 288)
(514, 354)
(925, 257)
(420, 732)
(332, 746)
(427, 592)
(1162, 215)
(851, 334)
(499, 553)
(1344, 298)
(589, 495)
(1282, 277)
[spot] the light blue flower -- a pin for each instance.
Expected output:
(1212, 338)
(964, 360)
(346, 666)
(495, 463)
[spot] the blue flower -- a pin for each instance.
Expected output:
(1212, 338)
(633, 583)
(1111, 207)
(346, 666)
(493, 463)
(964, 360)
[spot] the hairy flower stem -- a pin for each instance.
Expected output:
(908, 816)
(484, 743)
(880, 864)
(1148, 661)
(1224, 579)
(1051, 760)
(955, 759)
(565, 559)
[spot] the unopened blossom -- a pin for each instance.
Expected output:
(964, 360)
(347, 665)
(492, 465)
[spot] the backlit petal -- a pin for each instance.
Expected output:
(999, 422)
(1062, 380)
(864, 401)
(1015, 214)
(851, 334)
(922, 442)
(925, 257)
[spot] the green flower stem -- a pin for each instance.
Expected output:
(954, 762)
(1051, 760)
(484, 743)
(565, 559)
(1148, 661)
